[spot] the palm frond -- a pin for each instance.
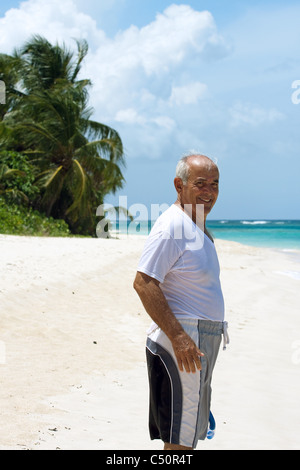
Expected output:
(14, 195)
(53, 185)
(8, 173)
(82, 47)
(78, 186)
(52, 176)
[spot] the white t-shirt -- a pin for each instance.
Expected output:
(184, 260)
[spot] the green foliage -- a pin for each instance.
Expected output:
(18, 220)
(17, 178)
(72, 161)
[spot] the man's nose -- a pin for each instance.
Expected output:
(207, 191)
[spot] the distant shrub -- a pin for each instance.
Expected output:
(18, 220)
(20, 187)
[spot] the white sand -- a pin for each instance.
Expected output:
(72, 336)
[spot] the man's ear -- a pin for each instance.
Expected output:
(178, 184)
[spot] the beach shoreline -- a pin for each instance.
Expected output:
(73, 335)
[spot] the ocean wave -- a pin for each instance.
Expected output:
(254, 222)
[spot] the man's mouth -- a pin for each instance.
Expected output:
(204, 200)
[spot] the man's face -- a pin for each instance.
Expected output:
(202, 186)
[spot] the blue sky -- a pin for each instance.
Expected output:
(173, 76)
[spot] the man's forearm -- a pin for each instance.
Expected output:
(187, 353)
(157, 306)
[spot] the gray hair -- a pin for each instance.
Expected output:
(183, 169)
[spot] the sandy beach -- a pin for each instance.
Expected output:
(72, 338)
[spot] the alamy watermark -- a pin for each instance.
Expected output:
(139, 216)
(296, 94)
(2, 92)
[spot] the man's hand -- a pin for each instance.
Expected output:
(187, 354)
(154, 301)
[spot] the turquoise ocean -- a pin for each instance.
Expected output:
(281, 234)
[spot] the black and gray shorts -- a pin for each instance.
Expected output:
(180, 401)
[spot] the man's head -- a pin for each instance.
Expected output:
(197, 182)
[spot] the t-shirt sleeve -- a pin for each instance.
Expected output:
(160, 254)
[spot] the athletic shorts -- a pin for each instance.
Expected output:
(180, 401)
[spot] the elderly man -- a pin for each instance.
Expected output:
(178, 283)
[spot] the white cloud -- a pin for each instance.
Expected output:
(165, 42)
(175, 33)
(129, 116)
(188, 94)
(139, 76)
(165, 122)
(124, 64)
(139, 68)
(253, 115)
(54, 19)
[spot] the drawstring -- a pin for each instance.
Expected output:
(225, 335)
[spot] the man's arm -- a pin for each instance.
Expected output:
(156, 305)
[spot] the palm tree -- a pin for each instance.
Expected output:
(78, 160)
(45, 65)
